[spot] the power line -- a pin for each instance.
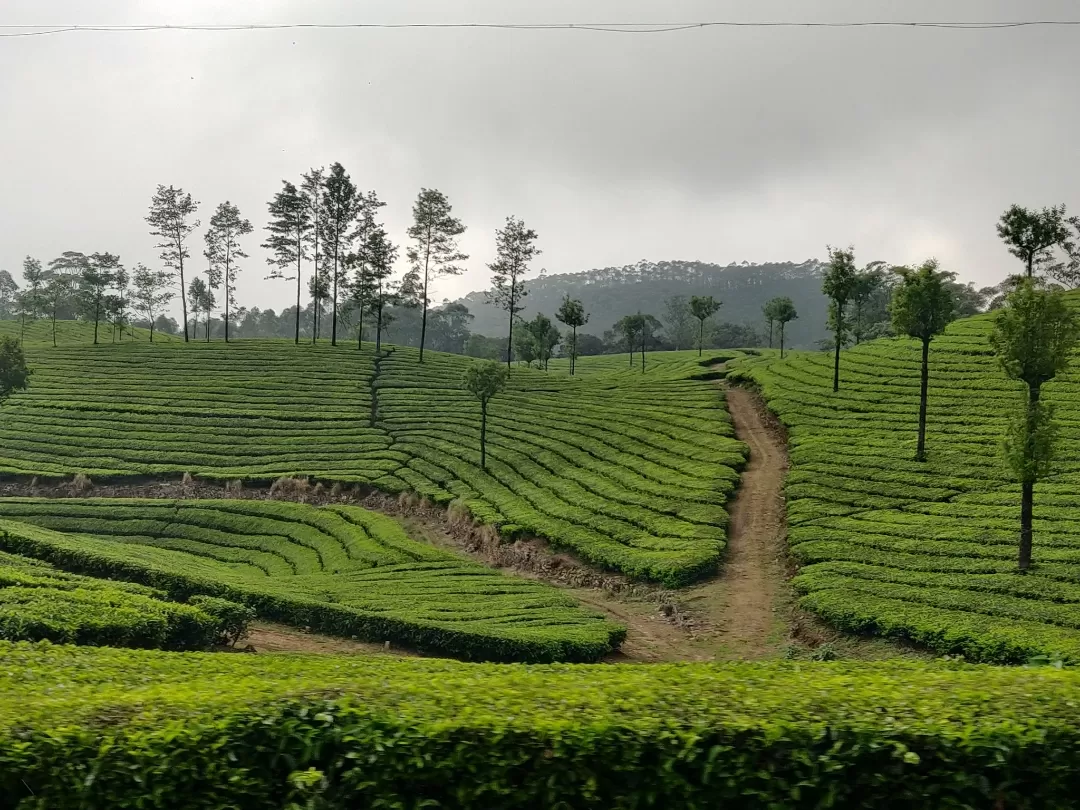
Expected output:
(610, 28)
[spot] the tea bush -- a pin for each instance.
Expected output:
(926, 552)
(338, 569)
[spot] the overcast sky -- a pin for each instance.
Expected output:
(716, 145)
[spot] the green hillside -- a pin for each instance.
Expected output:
(630, 471)
(926, 552)
(337, 569)
(39, 333)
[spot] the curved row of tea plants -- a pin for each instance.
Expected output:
(926, 552)
(39, 602)
(336, 569)
(102, 728)
(629, 470)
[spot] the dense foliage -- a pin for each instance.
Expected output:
(338, 569)
(104, 728)
(39, 602)
(631, 472)
(926, 552)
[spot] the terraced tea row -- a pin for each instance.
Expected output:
(337, 569)
(39, 602)
(926, 551)
(631, 471)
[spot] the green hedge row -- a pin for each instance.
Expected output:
(105, 729)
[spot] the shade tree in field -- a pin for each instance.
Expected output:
(1032, 235)
(56, 295)
(839, 284)
(572, 313)
(27, 302)
(1033, 336)
(525, 348)
(374, 290)
(703, 307)
(92, 286)
(780, 310)
(627, 328)
(870, 299)
(290, 229)
(172, 220)
(311, 189)
(202, 300)
(647, 326)
(223, 252)
(118, 300)
(922, 306)
(340, 207)
(545, 337)
(151, 293)
(515, 247)
(433, 253)
(678, 321)
(14, 374)
(484, 380)
(9, 290)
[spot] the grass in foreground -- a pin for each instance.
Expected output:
(926, 552)
(337, 569)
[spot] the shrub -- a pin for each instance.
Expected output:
(233, 618)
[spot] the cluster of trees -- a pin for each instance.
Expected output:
(1034, 332)
(330, 226)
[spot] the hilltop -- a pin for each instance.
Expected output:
(612, 292)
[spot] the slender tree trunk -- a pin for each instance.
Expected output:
(183, 290)
(483, 434)
(1027, 488)
(151, 331)
(573, 350)
(1030, 266)
(423, 316)
(510, 337)
(97, 316)
(378, 327)
(1027, 497)
(770, 333)
(226, 299)
(54, 328)
(333, 317)
(781, 340)
(836, 359)
(298, 244)
(700, 336)
(920, 451)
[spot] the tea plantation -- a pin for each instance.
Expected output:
(338, 569)
(631, 471)
(40, 602)
(926, 552)
(89, 729)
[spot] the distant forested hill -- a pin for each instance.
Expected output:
(612, 292)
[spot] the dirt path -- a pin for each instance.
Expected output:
(266, 637)
(746, 617)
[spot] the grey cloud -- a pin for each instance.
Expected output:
(716, 145)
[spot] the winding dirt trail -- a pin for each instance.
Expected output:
(745, 616)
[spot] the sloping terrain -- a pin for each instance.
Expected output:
(629, 470)
(337, 569)
(926, 552)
